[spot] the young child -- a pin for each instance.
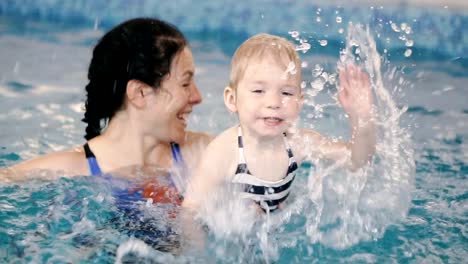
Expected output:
(263, 152)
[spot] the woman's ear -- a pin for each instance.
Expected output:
(135, 93)
(230, 99)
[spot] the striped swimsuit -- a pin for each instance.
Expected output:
(267, 194)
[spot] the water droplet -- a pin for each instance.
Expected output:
(294, 34)
(408, 52)
(395, 27)
(408, 30)
(304, 47)
(332, 79)
(341, 30)
(403, 26)
(96, 23)
(409, 43)
(317, 86)
(303, 84)
(304, 64)
(339, 19)
(324, 76)
(317, 70)
(323, 42)
(291, 69)
(319, 19)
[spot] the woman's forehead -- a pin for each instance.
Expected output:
(183, 64)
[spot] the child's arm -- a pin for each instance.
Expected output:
(214, 166)
(355, 96)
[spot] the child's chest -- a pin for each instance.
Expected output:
(268, 165)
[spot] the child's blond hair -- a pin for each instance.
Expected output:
(259, 47)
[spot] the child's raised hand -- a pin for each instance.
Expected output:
(354, 93)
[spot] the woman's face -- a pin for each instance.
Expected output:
(174, 100)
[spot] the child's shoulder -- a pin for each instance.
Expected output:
(220, 156)
(227, 136)
(304, 136)
(305, 142)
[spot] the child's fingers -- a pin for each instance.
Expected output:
(343, 74)
(343, 97)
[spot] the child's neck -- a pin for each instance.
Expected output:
(255, 141)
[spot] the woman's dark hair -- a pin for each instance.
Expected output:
(139, 49)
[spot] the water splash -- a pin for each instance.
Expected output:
(354, 207)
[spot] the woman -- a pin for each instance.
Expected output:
(140, 93)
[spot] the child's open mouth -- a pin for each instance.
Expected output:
(272, 121)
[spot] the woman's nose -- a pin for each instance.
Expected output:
(195, 95)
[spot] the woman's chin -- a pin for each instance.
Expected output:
(178, 137)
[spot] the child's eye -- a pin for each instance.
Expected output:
(287, 93)
(257, 91)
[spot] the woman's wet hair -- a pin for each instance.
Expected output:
(139, 49)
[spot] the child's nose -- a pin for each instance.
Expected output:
(274, 101)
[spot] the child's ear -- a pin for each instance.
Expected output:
(230, 99)
(301, 100)
(135, 93)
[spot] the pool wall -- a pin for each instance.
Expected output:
(440, 25)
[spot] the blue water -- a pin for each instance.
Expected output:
(45, 48)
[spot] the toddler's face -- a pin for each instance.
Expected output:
(269, 97)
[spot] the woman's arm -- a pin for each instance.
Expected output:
(66, 163)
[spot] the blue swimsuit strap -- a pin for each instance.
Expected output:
(176, 154)
(179, 165)
(94, 168)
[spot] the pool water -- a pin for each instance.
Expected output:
(420, 189)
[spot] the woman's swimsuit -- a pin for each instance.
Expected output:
(128, 194)
(268, 194)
